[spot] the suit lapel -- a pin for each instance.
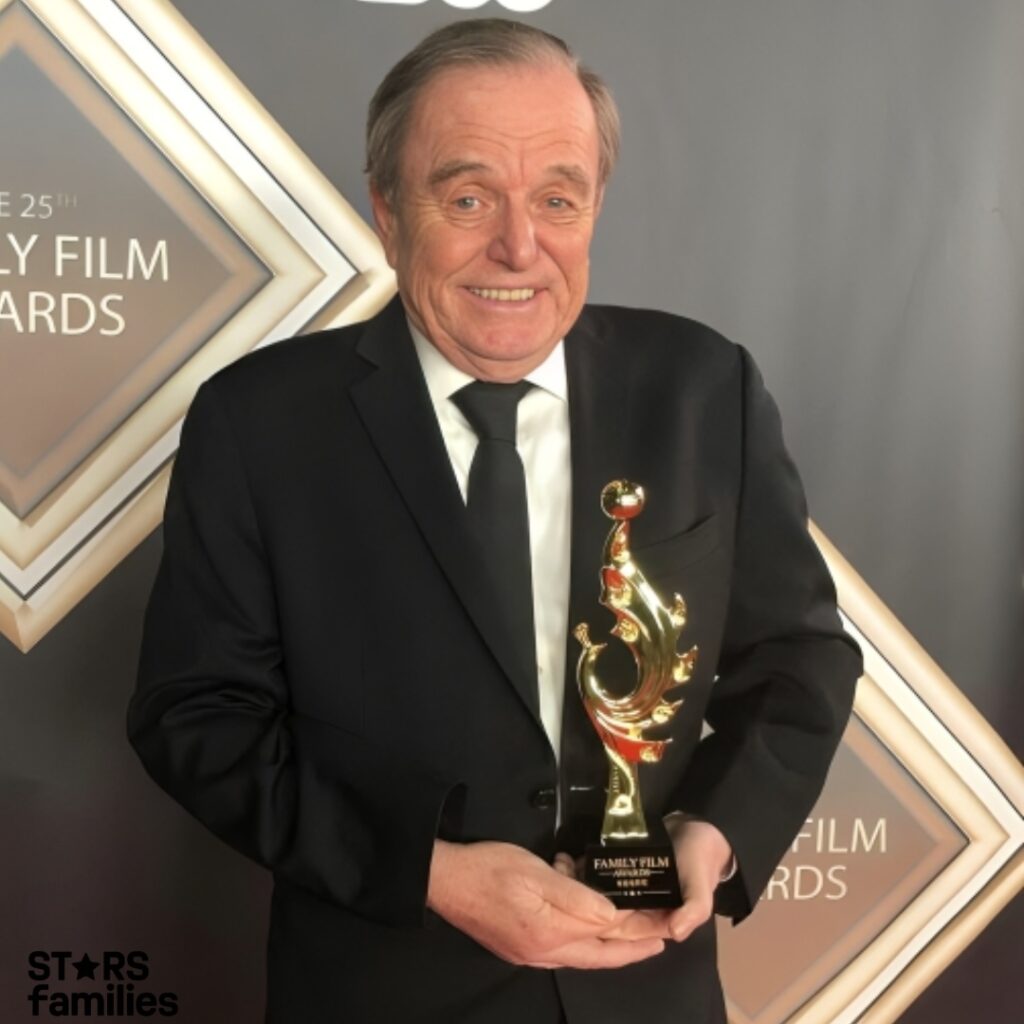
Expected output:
(395, 407)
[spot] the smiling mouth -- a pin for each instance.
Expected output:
(505, 294)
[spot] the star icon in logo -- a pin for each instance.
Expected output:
(86, 967)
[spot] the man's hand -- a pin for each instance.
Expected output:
(528, 912)
(703, 855)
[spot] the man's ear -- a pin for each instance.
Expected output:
(598, 201)
(385, 223)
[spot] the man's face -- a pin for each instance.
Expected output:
(490, 233)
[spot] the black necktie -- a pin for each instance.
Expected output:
(496, 503)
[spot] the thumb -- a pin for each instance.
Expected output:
(564, 865)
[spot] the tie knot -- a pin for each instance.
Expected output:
(491, 408)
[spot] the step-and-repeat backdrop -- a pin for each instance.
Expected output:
(838, 186)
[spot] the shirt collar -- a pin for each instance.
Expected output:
(443, 379)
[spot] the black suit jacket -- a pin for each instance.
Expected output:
(325, 684)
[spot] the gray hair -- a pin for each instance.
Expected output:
(486, 42)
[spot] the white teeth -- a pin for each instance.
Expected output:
(505, 294)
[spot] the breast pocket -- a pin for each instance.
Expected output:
(695, 565)
(664, 557)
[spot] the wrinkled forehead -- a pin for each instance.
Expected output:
(472, 112)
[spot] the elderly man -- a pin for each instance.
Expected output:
(354, 667)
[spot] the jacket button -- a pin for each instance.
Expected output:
(543, 798)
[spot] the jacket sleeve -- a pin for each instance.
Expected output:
(787, 671)
(212, 721)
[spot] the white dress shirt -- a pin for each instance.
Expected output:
(542, 439)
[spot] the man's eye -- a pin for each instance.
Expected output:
(467, 202)
(557, 203)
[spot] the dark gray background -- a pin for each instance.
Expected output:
(837, 184)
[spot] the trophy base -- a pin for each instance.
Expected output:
(634, 876)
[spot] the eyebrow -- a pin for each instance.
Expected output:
(454, 168)
(572, 173)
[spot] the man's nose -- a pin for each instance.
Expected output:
(514, 242)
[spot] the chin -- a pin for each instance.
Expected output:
(515, 350)
(518, 340)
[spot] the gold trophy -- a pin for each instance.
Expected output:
(631, 866)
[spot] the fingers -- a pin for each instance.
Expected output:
(564, 865)
(696, 909)
(529, 912)
(600, 954)
(702, 853)
(640, 924)
(575, 899)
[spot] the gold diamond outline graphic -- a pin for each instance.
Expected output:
(328, 269)
(917, 712)
(136, 150)
(875, 910)
(123, 75)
